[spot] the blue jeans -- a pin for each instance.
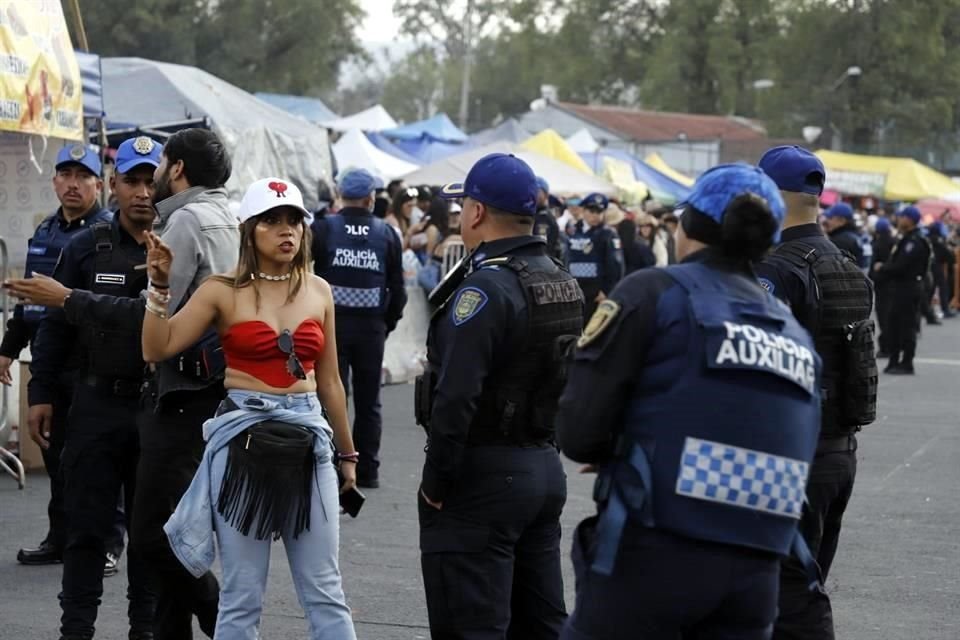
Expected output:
(312, 557)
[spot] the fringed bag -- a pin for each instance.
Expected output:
(268, 480)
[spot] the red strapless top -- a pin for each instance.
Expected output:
(251, 347)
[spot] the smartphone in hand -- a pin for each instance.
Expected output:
(351, 501)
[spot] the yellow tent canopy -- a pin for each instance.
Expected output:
(549, 143)
(632, 191)
(658, 163)
(885, 177)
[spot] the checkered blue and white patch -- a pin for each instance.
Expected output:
(584, 270)
(356, 298)
(742, 477)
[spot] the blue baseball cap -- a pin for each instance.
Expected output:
(595, 202)
(356, 183)
(911, 212)
(882, 225)
(794, 169)
(839, 210)
(715, 189)
(79, 154)
(137, 151)
(498, 180)
(543, 185)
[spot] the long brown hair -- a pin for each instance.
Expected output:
(248, 267)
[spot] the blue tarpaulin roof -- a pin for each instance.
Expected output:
(92, 81)
(311, 109)
(386, 146)
(643, 172)
(426, 150)
(507, 131)
(439, 128)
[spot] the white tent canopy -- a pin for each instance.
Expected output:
(563, 179)
(353, 149)
(375, 118)
(583, 142)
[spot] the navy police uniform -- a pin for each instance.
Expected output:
(831, 297)
(490, 556)
(594, 258)
(905, 273)
(360, 257)
(675, 385)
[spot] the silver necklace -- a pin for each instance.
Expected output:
(267, 276)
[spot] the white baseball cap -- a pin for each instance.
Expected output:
(270, 193)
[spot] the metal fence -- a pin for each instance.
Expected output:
(9, 463)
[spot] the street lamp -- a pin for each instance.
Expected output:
(851, 72)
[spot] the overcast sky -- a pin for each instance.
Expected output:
(380, 25)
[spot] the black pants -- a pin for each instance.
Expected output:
(171, 448)
(491, 557)
(805, 614)
(99, 466)
(940, 286)
(667, 587)
(883, 306)
(591, 289)
(904, 322)
(360, 355)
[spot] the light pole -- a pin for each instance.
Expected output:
(851, 72)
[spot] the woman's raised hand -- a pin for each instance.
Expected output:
(159, 259)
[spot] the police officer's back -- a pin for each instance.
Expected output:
(77, 184)
(493, 486)
(842, 231)
(102, 447)
(833, 299)
(906, 273)
(595, 259)
(360, 257)
(689, 384)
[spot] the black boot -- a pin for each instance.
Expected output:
(46, 553)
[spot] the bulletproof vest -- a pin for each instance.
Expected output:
(840, 300)
(112, 352)
(519, 401)
(722, 426)
(357, 263)
(43, 253)
(584, 255)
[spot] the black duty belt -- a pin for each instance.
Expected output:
(837, 444)
(122, 387)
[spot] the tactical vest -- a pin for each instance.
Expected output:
(722, 426)
(43, 253)
(843, 334)
(584, 256)
(518, 403)
(357, 263)
(112, 352)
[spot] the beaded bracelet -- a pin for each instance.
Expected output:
(157, 311)
(161, 297)
(349, 457)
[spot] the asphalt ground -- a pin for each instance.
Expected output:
(896, 577)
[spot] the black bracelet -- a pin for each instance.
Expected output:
(159, 286)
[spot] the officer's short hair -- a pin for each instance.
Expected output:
(520, 220)
(206, 162)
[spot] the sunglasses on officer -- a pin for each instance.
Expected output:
(286, 345)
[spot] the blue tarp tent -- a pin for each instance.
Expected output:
(386, 146)
(643, 172)
(427, 151)
(507, 131)
(439, 128)
(310, 109)
(92, 81)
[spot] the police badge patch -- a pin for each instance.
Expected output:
(143, 145)
(77, 152)
(766, 284)
(469, 303)
(602, 318)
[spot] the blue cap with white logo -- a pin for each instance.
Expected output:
(595, 202)
(79, 154)
(839, 210)
(356, 183)
(498, 180)
(717, 188)
(137, 151)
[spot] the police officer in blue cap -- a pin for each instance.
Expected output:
(360, 257)
(545, 223)
(493, 486)
(697, 395)
(102, 443)
(594, 252)
(944, 261)
(906, 273)
(842, 231)
(77, 184)
(833, 299)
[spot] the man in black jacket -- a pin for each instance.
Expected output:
(842, 231)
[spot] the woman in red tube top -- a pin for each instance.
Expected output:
(267, 471)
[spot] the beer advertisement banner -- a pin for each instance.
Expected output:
(40, 89)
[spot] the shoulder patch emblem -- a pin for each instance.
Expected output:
(616, 242)
(908, 247)
(605, 314)
(766, 284)
(469, 303)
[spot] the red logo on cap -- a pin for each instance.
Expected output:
(279, 187)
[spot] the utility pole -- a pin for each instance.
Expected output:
(467, 66)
